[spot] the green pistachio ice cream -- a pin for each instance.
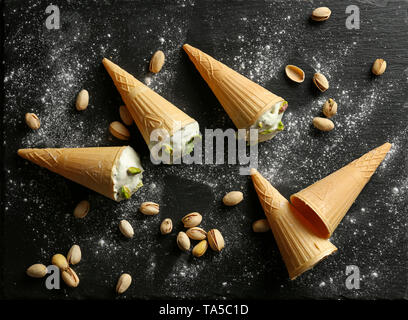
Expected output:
(176, 146)
(270, 123)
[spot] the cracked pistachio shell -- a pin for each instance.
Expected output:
(295, 73)
(215, 240)
(192, 219)
(320, 82)
(183, 241)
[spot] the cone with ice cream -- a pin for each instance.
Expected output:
(326, 202)
(300, 247)
(174, 130)
(115, 172)
(249, 105)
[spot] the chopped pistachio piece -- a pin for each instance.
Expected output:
(134, 170)
(267, 131)
(280, 126)
(283, 107)
(168, 149)
(125, 192)
(260, 125)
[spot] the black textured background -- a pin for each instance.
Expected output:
(44, 70)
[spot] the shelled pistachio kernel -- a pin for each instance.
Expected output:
(280, 126)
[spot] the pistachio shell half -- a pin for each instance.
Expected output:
(295, 73)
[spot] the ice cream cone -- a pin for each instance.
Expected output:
(300, 247)
(90, 167)
(149, 110)
(326, 202)
(243, 100)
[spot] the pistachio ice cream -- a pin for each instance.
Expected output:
(127, 174)
(177, 145)
(270, 123)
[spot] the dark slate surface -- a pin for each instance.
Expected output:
(45, 69)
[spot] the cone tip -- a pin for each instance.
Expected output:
(186, 47)
(253, 171)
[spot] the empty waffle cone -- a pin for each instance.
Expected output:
(300, 247)
(149, 110)
(326, 202)
(90, 167)
(243, 100)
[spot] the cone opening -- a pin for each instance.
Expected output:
(312, 216)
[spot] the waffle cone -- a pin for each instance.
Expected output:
(90, 167)
(149, 110)
(243, 100)
(326, 202)
(298, 244)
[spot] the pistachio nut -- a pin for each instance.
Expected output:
(70, 278)
(323, 124)
(261, 225)
(74, 254)
(118, 130)
(126, 229)
(183, 241)
(82, 100)
(215, 240)
(32, 121)
(192, 219)
(295, 73)
(134, 170)
(196, 233)
(149, 208)
(37, 270)
(166, 226)
(82, 209)
(321, 82)
(123, 283)
(157, 62)
(233, 198)
(125, 115)
(200, 248)
(125, 192)
(379, 67)
(330, 108)
(60, 261)
(321, 14)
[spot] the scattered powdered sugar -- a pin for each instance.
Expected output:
(49, 69)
